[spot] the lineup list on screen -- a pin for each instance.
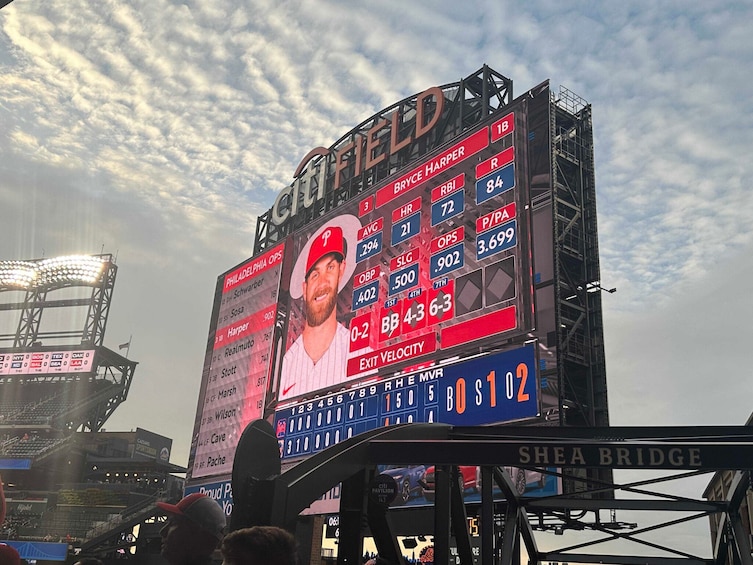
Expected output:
(240, 361)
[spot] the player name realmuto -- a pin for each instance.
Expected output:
(239, 347)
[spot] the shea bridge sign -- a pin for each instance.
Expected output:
(624, 454)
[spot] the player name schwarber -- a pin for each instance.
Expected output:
(238, 292)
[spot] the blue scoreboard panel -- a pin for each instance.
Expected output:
(497, 387)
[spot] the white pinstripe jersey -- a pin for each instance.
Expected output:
(301, 375)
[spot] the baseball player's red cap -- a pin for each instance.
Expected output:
(331, 240)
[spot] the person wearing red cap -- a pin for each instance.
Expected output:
(318, 358)
(193, 530)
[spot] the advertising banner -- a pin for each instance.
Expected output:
(152, 446)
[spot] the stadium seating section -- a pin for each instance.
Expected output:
(38, 420)
(48, 403)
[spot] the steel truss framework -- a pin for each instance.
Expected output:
(29, 338)
(577, 272)
(578, 328)
(467, 102)
(36, 301)
(508, 521)
(116, 369)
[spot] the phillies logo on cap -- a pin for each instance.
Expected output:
(281, 428)
(331, 240)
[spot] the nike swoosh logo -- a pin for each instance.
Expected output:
(287, 389)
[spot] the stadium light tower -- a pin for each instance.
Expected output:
(93, 274)
(54, 272)
(59, 307)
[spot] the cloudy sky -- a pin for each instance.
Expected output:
(159, 130)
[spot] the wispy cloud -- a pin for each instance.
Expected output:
(162, 129)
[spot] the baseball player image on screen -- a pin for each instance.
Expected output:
(318, 357)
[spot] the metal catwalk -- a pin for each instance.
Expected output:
(510, 522)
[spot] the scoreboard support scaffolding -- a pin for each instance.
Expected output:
(508, 521)
(76, 287)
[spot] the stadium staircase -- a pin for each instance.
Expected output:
(109, 534)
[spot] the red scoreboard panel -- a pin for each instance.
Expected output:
(438, 258)
(438, 266)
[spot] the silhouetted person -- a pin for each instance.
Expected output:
(193, 531)
(259, 545)
(8, 555)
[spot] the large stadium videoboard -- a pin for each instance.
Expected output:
(412, 302)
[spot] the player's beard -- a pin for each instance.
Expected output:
(318, 312)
